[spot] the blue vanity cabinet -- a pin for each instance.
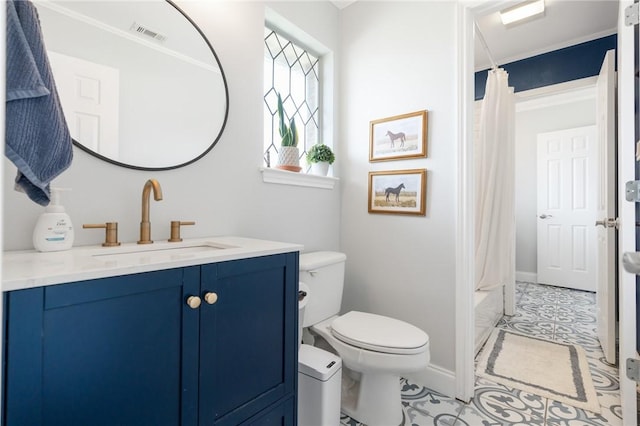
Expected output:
(129, 350)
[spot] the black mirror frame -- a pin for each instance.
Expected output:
(217, 138)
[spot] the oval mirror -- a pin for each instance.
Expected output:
(140, 84)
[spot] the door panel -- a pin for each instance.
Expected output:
(108, 354)
(579, 259)
(606, 208)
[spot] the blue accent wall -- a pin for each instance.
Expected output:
(571, 63)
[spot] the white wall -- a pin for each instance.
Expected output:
(399, 57)
(529, 123)
(395, 57)
(223, 192)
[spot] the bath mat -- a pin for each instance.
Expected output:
(542, 367)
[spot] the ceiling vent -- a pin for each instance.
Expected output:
(140, 29)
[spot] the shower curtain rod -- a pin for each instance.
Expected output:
(494, 66)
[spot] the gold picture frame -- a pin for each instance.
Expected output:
(398, 192)
(399, 137)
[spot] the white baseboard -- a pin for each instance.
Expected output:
(527, 277)
(435, 378)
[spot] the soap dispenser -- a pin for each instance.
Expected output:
(53, 231)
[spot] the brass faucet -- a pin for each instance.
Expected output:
(145, 225)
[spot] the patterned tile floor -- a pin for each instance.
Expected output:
(556, 313)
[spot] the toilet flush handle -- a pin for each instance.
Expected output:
(313, 273)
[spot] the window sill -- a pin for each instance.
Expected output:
(283, 177)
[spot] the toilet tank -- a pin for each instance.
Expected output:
(323, 272)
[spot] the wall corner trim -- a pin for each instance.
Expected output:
(527, 277)
(436, 378)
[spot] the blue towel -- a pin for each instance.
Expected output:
(37, 138)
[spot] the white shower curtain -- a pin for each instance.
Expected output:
(494, 154)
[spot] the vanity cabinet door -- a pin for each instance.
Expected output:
(248, 347)
(102, 352)
(278, 415)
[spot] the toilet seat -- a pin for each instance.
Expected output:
(379, 333)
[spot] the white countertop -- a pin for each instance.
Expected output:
(29, 268)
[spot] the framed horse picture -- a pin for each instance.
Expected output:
(399, 137)
(398, 192)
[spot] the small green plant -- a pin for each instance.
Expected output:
(289, 134)
(320, 152)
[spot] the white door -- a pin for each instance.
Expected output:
(89, 94)
(627, 68)
(566, 173)
(606, 208)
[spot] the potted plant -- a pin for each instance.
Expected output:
(320, 156)
(288, 156)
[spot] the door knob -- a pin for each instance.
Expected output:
(609, 223)
(544, 216)
(193, 302)
(210, 297)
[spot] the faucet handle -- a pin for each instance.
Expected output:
(111, 228)
(175, 230)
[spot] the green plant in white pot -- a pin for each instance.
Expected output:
(320, 156)
(288, 156)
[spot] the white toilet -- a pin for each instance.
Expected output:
(375, 350)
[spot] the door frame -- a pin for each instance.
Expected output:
(583, 89)
(464, 344)
(465, 230)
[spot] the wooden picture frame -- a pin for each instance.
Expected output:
(399, 137)
(398, 192)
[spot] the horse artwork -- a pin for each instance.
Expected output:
(401, 136)
(394, 136)
(398, 191)
(395, 191)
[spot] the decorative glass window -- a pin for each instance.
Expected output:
(294, 73)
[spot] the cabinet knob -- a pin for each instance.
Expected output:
(193, 302)
(211, 297)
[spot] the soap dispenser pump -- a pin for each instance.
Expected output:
(53, 231)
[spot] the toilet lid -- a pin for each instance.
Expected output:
(379, 333)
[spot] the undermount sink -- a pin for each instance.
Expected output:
(161, 251)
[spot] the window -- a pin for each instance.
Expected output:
(292, 71)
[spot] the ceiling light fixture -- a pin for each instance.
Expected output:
(522, 11)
